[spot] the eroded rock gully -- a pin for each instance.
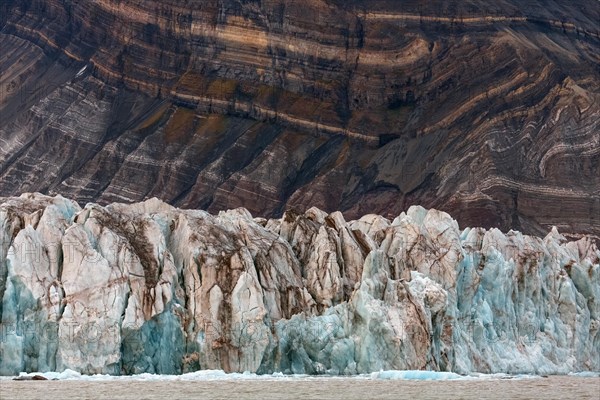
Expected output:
(147, 287)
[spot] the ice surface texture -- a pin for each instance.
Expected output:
(148, 288)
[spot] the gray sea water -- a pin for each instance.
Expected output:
(302, 387)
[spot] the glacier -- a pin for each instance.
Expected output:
(147, 288)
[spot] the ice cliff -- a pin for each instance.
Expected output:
(147, 287)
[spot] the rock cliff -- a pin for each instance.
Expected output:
(486, 110)
(147, 287)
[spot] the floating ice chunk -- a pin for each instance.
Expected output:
(586, 374)
(416, 375)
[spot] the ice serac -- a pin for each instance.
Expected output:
(146, 287)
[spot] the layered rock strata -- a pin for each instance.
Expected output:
(147, 287)
(487, 111)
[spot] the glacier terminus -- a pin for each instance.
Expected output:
(148, 288)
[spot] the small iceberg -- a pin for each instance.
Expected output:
(416, 375)
(586, 374)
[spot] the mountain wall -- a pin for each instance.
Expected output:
(147, 287)
(487, 110)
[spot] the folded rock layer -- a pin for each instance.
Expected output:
(146, 287)
(489, 111)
